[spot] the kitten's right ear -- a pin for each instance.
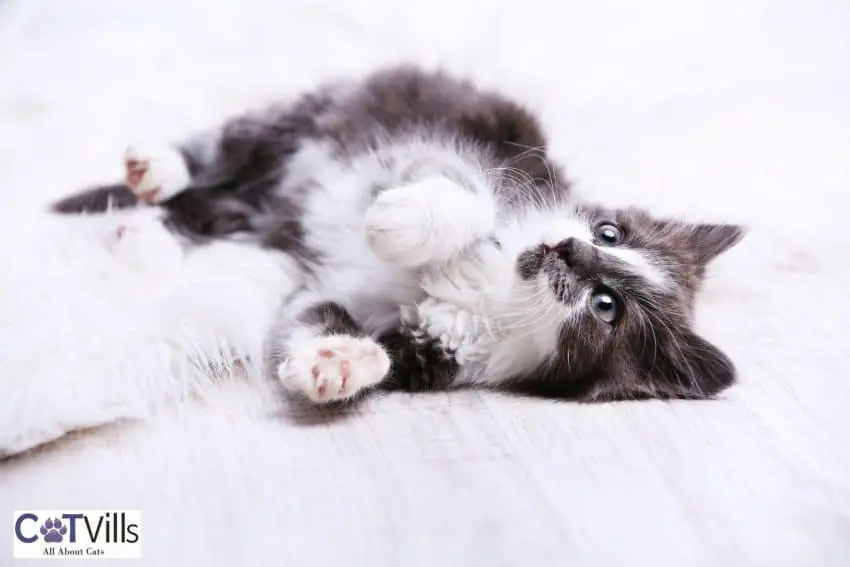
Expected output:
(690, 367)
(682, 365)
(708, 241)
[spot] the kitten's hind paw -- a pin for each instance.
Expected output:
(334, 367)
(155, 172)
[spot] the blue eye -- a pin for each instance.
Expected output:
(608, 234)
(604, 306)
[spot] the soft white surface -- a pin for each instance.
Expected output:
(723, 109)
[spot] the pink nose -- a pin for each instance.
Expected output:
(576, 253)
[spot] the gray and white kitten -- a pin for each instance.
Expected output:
(439, 247)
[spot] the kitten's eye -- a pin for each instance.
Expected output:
(604, 305)
(608, 234)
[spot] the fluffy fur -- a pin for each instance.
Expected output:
(436, 245)
(160, 328)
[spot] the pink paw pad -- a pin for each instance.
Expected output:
(336, 369)
(344, 373)
(135, 172)
(319, 373)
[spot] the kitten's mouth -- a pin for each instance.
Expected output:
(543, 259)
(547, 261)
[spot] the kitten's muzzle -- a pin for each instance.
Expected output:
(578, 255)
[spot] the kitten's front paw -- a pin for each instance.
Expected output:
(155, 172)
(334, 367)
(427, 221)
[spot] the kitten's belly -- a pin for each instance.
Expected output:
(334, 228)
(349, 273)
(369, 289)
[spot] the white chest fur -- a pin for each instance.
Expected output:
(467, 300)
(498, 325)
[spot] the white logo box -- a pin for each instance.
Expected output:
(77, 534)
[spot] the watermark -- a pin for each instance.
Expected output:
(87, 534)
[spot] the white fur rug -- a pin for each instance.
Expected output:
(731, 110)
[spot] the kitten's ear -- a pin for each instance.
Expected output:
(708, 241)
(682, 366)
(690, 367)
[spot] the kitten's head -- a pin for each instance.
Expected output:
(627, 282)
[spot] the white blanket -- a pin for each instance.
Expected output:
(722, 110)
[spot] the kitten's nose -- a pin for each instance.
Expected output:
(576, 253)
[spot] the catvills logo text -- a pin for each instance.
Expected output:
(92, 534)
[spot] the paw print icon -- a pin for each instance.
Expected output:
(53, 530)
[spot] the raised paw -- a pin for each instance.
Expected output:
(427, 221)
(155, 172)
(334, 367)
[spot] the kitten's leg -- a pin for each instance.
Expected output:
(420, 362)
(429, 221)
(319, 351)
(155, 172)
(243, 151)
(97, 199)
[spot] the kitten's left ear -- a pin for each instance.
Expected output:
(683, 365)
(708, 241)
(694, 369)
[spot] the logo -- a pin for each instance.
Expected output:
(89, 534)
(53, 530)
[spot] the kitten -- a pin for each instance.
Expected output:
(439, 247)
